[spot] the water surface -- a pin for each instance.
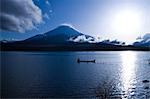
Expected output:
(116, 74)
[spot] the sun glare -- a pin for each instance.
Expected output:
(126, 23)
(128, 69)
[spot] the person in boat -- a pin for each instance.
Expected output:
(78, 60)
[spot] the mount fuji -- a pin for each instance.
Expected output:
(66, 38)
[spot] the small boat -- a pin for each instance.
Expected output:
(86, 61)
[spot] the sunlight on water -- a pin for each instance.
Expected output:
(128, 70)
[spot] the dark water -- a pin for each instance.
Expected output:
(58, 75)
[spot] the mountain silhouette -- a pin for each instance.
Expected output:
(59, 35)
(67, 38)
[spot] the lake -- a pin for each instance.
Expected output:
(115, 74)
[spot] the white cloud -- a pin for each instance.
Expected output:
(82, 39)
(46, 16)
(90, 39)
(145, 40)
(50, 11)
(19, 15)
(47, 2)
(146, 36)
(67, 24)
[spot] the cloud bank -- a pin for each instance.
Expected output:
(143, 41)
(19, 15)
(90, 39)
(82, 39)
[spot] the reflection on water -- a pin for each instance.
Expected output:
(58, 75)
(128, 59)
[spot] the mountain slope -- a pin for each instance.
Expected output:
(59, 35)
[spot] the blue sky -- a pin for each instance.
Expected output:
(115, 19)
